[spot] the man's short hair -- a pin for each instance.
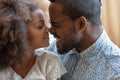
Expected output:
(91, 9)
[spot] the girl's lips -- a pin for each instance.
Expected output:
(47, 37)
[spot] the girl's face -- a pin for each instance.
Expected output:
(37, 31)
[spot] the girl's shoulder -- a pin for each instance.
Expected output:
(46, 55)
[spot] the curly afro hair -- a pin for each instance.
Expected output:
(13, 31)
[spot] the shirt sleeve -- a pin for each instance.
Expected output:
(54, 68)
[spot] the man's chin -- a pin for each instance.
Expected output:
(62, 52)
(61, 49)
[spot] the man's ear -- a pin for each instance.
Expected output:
(81, 24)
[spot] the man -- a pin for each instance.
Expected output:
(76, 24)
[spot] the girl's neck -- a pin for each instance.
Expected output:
(25, 67)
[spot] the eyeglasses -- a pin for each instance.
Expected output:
(54, 24)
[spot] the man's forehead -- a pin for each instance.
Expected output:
(56, 10)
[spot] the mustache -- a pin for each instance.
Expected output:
(55, 35)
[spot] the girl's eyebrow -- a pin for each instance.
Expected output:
(40, 20)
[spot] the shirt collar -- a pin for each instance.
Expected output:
(95, 48)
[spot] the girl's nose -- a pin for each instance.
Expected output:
(47, 29)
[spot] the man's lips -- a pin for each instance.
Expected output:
(55, 35)
(58, 39)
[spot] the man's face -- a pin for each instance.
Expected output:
(62, 27)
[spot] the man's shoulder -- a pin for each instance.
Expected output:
(112, 57)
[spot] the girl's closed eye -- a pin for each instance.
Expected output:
(40, 27)
(41, 24)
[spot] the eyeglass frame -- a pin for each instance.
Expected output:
(54, 24)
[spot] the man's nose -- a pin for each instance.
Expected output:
(52, 31)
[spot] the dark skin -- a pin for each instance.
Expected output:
(79, 33)
(38, 36)
(23, 70)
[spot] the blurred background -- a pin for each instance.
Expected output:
(110, 17)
